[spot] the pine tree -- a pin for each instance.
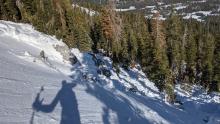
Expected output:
(215, 86)
(161, 72)
(2, 9)
(175, 43)
(143, 40)
(207, 60)
(107, 29)
(9, 10)
(30, 6)
(57, 24)
(111, 28)
(123, 55)
(141, 48)
(70, 28)
(82, 39)
(132, 45)
(28, 9)
(191, 50)
(97, 37)
(41, 17)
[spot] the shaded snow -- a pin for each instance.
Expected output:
(88, 97)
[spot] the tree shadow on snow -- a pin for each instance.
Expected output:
(167, 112)
(68, 102)
(125, 111)
(120, 105)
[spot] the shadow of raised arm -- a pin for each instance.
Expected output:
(47, 108)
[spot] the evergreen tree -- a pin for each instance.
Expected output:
(161, 73)
(216, 72)
(207, 60)
(28, 9)
(97, 36)
(191, 50)
(123, 54)
(132, 45)
(175, 43)
(111, 28)
(9, 10)
(107, 29)
(2, 9)
(143, 40)
(82, 39)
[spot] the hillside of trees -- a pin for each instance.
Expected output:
(169, 52)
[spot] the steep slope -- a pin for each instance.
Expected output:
(33, 90)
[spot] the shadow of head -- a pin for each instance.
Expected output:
(66, 85)
(64, 82)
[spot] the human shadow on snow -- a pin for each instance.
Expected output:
(68, 102)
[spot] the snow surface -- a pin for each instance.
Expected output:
(197, 17)
(180, 7)
(88, 11)
(199, 1)
(150, 7)
(154, 11)
(128, 9)
(31, 91)
(160, 3)
(151, 16)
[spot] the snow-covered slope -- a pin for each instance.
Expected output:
(33, 90)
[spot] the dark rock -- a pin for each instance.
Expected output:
(73, 60)
(134, 90)
(106, 72)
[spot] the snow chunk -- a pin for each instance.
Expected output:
(160, 3)
(150, 7)
(88, 11)
(180, 7)
(199, 1)
(129, 9)
(26, 53)
(154, 11)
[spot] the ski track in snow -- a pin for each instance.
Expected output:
(95, 100)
